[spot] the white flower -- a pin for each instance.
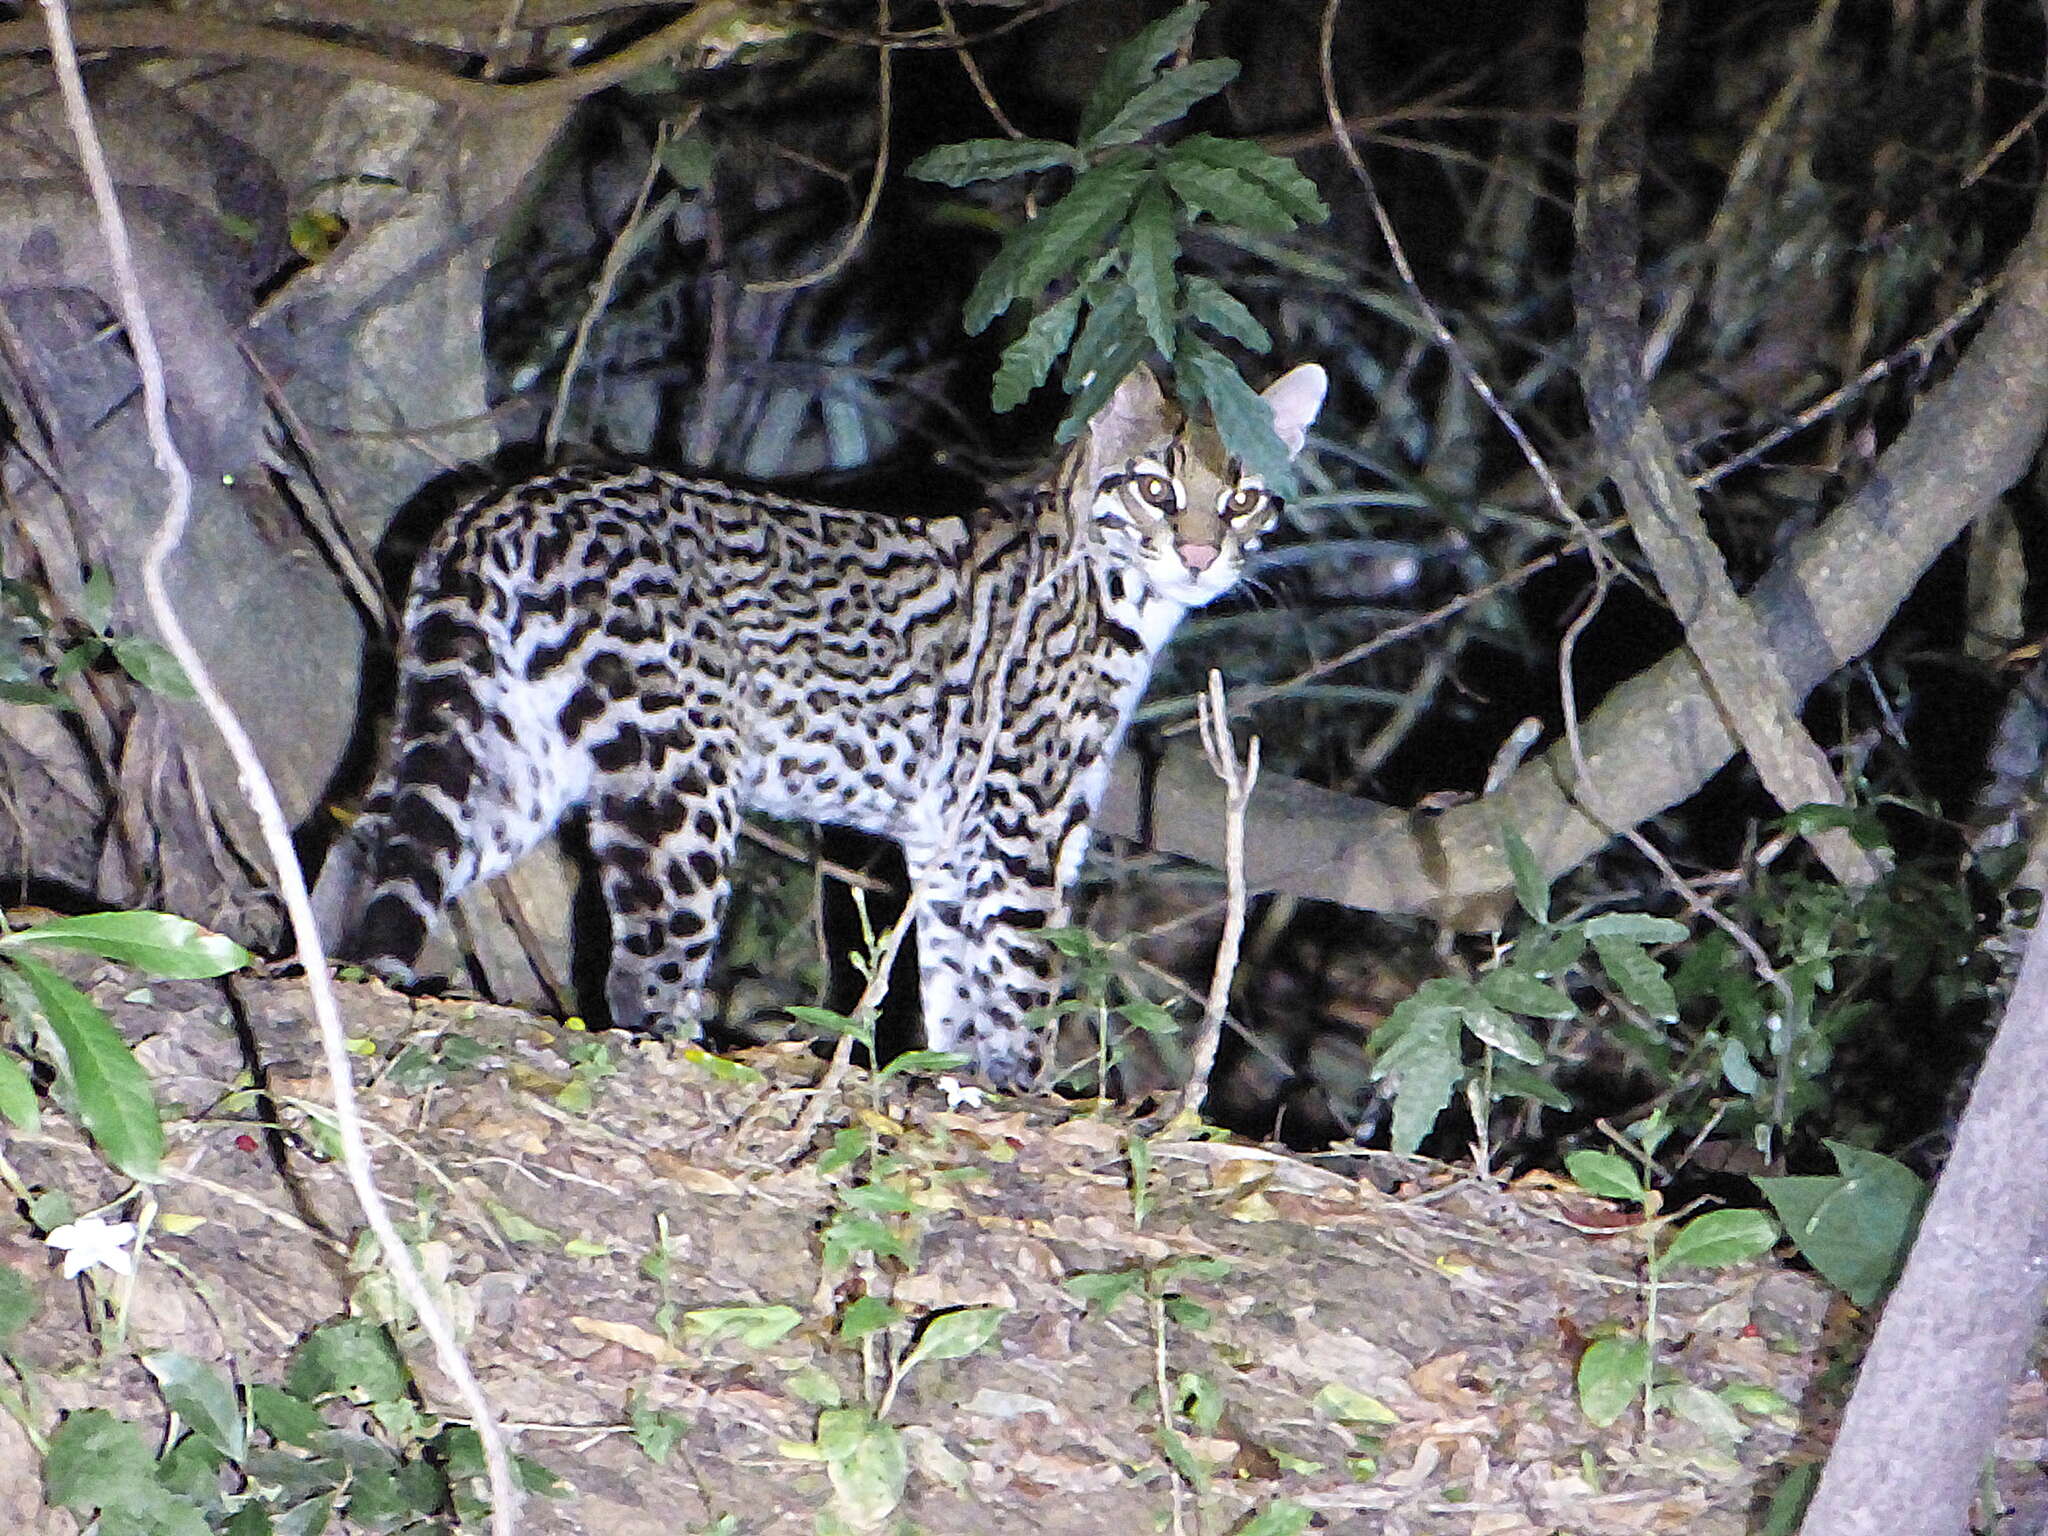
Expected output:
(94, 1241)
(958, 1093)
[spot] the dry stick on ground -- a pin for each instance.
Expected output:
(256, 785)
(1663, 511)
(1237, 784)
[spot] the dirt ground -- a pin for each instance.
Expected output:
(541, 1187)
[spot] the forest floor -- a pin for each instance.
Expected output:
(1388, 1344)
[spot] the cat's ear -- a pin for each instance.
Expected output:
(1137, 419)
(1295, 397)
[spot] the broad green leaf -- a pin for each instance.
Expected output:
(1605, 1173)
(152, 666)
(34, 694)
(1243, 418)
(1611, 1377)
(18, 1106)
(191, 1468)
(155, 942)
(1028, 361)
(1720, 1238)
(1532, 891)
(1226, 196)
(1736, 1066)
(1154, 1019)
(951, 1335)
(1131, 64)
(865, 1315)
(955, 165)
(1198, 1398)
(96, 1461)
(1285, 1518)
(757, 1327)
(827, 1020)
(1211, 305)
(287, 1419)
(1639, 977)
(1165, 100)
(929, 1063)
(1348, 1405)
(96, 601)
(96, 1074)
(1422, 1064)
(850, 1236)
(1174, 1445)
(203, 1398)
(1153, 247)
(866, 1463)
(1278, 175)
(1102, 1289)
(353, 1358)
(18, 1304)
(1494, 1027)
(1856, 1228)
(1519, 992)
(1554, 953)
(1703, 1410)
(1112, 330)
(1636, 927)
(1512, 1080)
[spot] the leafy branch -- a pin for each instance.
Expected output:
(1112, 245)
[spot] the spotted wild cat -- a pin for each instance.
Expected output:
(670, 653)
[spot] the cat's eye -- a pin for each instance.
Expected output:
(1243, 501)
(1157, 490)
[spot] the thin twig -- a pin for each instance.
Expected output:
(255, 782)
(885, 71)
(1237, 783)
(623, 246)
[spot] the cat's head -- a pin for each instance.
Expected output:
(1161, 494)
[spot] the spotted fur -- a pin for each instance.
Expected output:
(670, 653)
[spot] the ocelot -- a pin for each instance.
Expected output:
(668, 653)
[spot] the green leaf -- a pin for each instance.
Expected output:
(34, 694)
(287, 1419)
(1278, 175)
(1349, 1406)
(1518, 991)
(1243, 418)
(96, 1461)
(18, 1106)
(1165, 100)
(152, 941)
(951, 1335)
(1210, 304)
(1101, 1290)
(1153, 248)
(931, 1063)
(1113, 333)
(353, 1358)
(1640, 978)
(1636, 927)
(1511, 1080)
(1131, 64)
(955, 165)
(96, 602)
(866, 1463)
(1284, 1518)
(1605, 1173)
(1174, 1445)
(1856, 1228)
(757, 1327)
(658, 1431)
(97, 1076)
(203, 1398)
(690, 161)
(850, 1236)
(1154, 1019)
(1417, 1054)
(153, 667)
(1027, 362)
(1532, 891)
(865, 1315)
(18, 1304)
(1554, 953)
(1496, 1029)
(1229, 197)
(1058, 240)
(1611, 1377)
(1721, 1238)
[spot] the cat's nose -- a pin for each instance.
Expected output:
(1197, 557)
